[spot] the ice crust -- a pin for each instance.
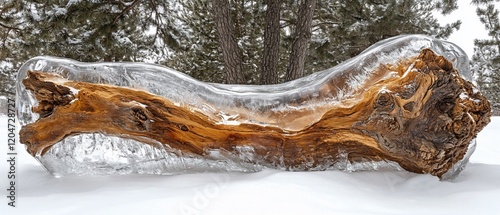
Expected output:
(99, 154)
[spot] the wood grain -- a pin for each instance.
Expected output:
(423, 118)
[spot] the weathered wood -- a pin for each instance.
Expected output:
(423, 118)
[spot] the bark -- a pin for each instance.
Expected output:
(301, 40)
(270, 57)
(231, 53)
(414, 113)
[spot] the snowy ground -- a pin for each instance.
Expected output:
(475, 191)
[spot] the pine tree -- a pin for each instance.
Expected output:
(182, 34)
(203, 57)
(99, 30)
(340, 30)
(10, 21)
(486, 59)
(343, 29)
(302, 36)
(271, 50)
(231, 52)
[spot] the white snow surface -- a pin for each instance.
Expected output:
(475, 191)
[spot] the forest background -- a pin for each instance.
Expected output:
(232, 41)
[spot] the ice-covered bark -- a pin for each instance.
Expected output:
(392, 104)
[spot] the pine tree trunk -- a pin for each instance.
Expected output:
(231, 53)
(270, 59)
(301, 41)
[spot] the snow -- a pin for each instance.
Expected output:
(58, 11)
(72, 2)
(475, 191)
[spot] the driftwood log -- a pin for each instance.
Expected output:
(425, 129)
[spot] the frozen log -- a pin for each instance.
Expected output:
(418, 112)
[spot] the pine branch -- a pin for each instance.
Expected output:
(9, 27)
(136, 2)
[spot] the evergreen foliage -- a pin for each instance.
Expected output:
(485, 63)
(10, 21)
(182, 34)
(98, 30)
(203, 57)
(340, 30)
(343, 29)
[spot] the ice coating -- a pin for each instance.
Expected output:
(216, 98)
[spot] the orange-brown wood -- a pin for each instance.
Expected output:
(418, 118)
